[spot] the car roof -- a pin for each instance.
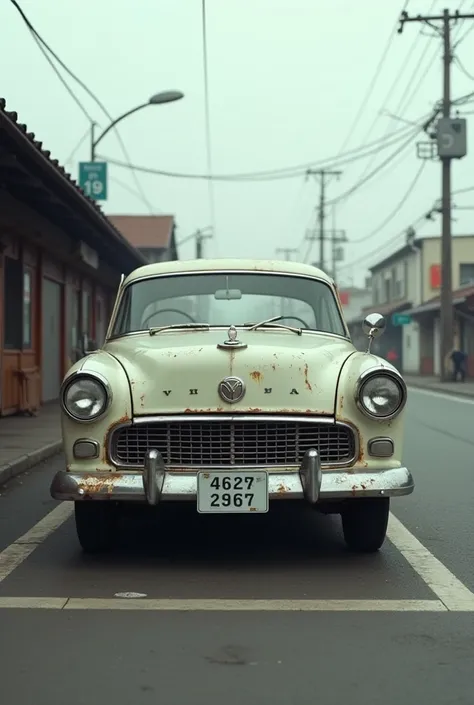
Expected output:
(210, 265)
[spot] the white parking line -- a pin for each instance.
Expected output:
(164, 605)
(452, 594)
(19, 550)
(451, 591)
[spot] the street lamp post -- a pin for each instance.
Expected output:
(157, 99)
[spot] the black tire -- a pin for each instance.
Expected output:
(364, 524)
(96, 524)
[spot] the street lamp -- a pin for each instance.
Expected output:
(157, 99)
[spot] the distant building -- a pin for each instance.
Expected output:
(354, 302)
(401, 284)
(152, 235)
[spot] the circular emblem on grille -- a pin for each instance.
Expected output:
(231, 389)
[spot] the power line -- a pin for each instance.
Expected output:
(414, 224)
(272, 176)
(407, 96)
(77, 147)
(395, 211)
(61, 78)
(389, 94)
(87, 90)
(375, 171)
(208, 116)
(461, 66)
(372, 84)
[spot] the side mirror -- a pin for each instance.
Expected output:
(373, 327)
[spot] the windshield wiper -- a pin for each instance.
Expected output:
(178, 326)
(269, 323)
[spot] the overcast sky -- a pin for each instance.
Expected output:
(287, 79)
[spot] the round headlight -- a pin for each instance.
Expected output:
(381, 396)
(85, 398)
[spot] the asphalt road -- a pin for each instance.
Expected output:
(403, 630)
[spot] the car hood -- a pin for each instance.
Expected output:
(180, 371)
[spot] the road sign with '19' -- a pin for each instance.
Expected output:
(93, 179)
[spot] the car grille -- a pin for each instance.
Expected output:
(232, 443)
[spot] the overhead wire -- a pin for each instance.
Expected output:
(408, 94)
(125, 186)
(397, 237)
(276, 175)
(396, 210)
(73, 95)
(363, 181)
(77, 148)
(464, 70)
(389, 92)
(375, 171)
(372, 84)
(207, 110)
(81, 83)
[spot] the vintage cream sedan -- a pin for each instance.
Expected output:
(232, 384)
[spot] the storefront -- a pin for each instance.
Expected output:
(60, 265)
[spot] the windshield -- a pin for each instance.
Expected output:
(224, 299)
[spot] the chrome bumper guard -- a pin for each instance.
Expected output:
(155, 484)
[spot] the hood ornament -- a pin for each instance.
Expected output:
(232, 342)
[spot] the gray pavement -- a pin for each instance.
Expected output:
(27, 440)
(433, 384)
(266, 655)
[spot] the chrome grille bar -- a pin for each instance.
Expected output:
(233, 442)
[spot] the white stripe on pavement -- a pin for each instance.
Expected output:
(19, 550)
(64, 603)
(451, 591)
(452, 594)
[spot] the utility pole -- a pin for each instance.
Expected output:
(337, 237)
(200, 237)
(287, 251)
(451, 145)
(322, 173)
(93, 124)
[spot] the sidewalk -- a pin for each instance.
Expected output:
(465, 389)
(27, 440)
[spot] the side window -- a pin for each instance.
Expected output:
(27, 322)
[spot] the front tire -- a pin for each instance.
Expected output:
(96, 524)
(364, 524)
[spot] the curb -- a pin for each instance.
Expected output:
(436, 390)
(25, 462)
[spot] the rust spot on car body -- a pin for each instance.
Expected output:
(217, 410)
(306, 380)
(282, 488)
(142, 400)
(256, 376)
(91, 484)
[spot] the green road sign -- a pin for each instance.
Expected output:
(401, 319)
(93, 179)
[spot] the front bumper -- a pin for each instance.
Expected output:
(156, 484)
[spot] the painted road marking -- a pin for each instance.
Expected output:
(17, 552)
(452, 594)
(451, 591)
(442, 395)
(64, 603)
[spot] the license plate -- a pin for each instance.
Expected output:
(232, 492)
